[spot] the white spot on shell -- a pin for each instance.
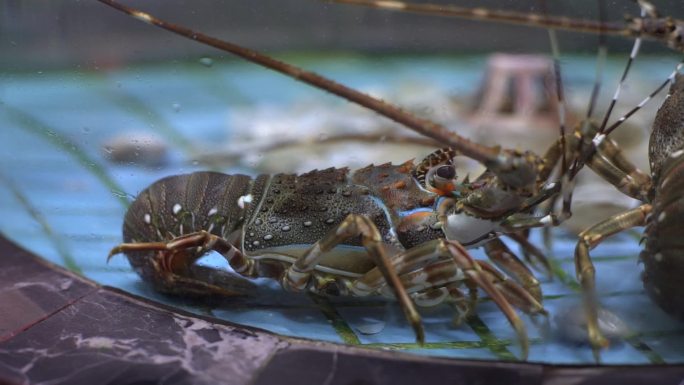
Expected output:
(142, 16)
(658, 257)
(307, 223)
(661, 217)
(677, 154)
(213, 211)
(147, 218)
(664, 182)
(244, 200)
(391, 4)
(268, 237)
(285, 228)
(176, 208)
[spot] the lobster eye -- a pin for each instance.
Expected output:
(446, 172)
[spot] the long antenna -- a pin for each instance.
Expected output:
(507, 17)
(490, 156)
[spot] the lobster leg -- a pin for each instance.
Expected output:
(441, 263)
(169, 265)
(503, 257)
(532, 254)
(584, 268)
(298, 275)
(464, 306)
(447, 271)
(609, 163)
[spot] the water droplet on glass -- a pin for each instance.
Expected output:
(119, 194)
(108, 149)
(207, 62)
(86, 130)
(371, 327)
(176, 107)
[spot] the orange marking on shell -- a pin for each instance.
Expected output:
(444, 191)
(413, 220)
(429, 201)
(399, 185)
(406, 167)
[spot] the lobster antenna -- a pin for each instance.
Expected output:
(600, 135)
(490, 156)
(555, 51)
(600, 61)
(618, 90)
(565, 186)
(650, 96)
(499, 16)
(596, 89)
(647, 9)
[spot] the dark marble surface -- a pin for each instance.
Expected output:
(308, 366)
(31, 291)
(58, 328)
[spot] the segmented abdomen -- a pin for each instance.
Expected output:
(183, 204)
(663, 255)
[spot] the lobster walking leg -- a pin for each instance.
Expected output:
(441, 263)
(503, 257)
(167, 265)
(584, 268)
(532, 254)
(607, 161)
(297, 276)
(464, 306)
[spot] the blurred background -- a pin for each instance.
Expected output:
(64, 33)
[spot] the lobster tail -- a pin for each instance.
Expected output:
(183, 204)
(663, 255)
(667, 136)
